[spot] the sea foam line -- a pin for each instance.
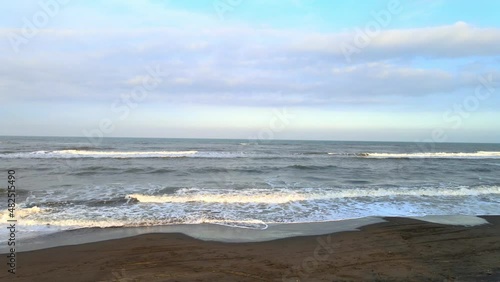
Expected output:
(281, 197)
(99, 154)
(436, 155)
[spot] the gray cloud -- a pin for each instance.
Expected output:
(241, 65)
(451, 41)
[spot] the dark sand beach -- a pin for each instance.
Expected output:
(400, 249)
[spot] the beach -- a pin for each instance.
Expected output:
(142, 209)
(399, 249)
(225, 140)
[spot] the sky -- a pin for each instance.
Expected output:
(277, 69)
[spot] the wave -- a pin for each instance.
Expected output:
(245, 208)
(281, 196)
(90, 203)
(271, 198)
(21, 213)
(68, 154)
(27, 216)
(68, 224)
(98, 154)
(83, 148)
(437, 155)
(350, 154)
(64, 154)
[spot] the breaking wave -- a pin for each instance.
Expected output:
(437, 155)
(267, 196)
(98, 154)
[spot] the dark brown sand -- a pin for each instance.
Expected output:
(397, 250)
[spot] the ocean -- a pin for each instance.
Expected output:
(65, 183)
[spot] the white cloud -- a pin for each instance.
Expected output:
(450, 41)
(238, 65)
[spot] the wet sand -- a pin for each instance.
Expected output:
(400, 249)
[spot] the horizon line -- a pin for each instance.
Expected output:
(262, 140)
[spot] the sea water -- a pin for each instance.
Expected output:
(65, 183)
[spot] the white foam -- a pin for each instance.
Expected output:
(99, 154)
(66, 224)
(250, 208)
(20, 213)
(462, 220)
(280, 196)
(437, 155)
(219, 154)
(68, 154)
(268, 198)
(210, 232)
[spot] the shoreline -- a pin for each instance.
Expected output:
(220, 232)
(203, 232)
(397, 249)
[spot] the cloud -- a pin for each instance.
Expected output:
(241, 65)
(449, 41)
